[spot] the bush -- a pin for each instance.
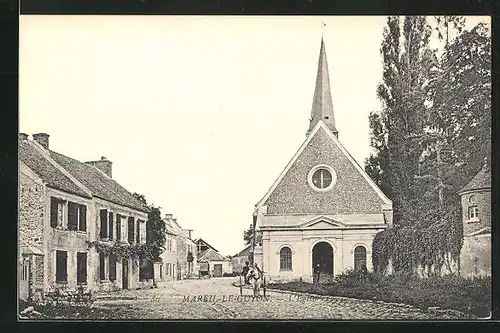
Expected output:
(472, 296)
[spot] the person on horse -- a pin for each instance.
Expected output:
(244, 272)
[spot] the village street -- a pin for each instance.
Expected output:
(217, 298)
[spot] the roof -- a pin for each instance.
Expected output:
(481, 181)
(483, 231)
(245, 251)
(99, 184)
(322, 106)
(169, 229)
(211, 255)
(333, 137)
(51, 175)
(198, 240)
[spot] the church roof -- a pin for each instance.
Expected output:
(321, 125)
(322, 106)
(481, 181)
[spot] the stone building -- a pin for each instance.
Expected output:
(239, 259)
(323, 211)
(186, 255)
(166, 270)
(475, 255)
(217, 264)
(63, 205)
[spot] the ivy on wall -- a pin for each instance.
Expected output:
(123, 250)
(419, 247)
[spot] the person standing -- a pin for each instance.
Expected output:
(244, 272)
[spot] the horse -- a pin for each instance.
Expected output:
(255, 277)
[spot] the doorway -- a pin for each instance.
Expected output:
(322, 261)
(217, 270)
(24, 283)
(124, 273)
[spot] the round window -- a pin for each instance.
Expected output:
(322, 178)
(472, 199)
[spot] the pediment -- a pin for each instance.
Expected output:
(322, 222)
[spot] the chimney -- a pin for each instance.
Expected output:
(168, 216)
(23, 136)
(42, 139)
(104, 165)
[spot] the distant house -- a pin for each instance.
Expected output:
(186, 255)
(218, 265)
(166, 270)
(67, 210)
(475, 255)
(202, 246)
(238, 260)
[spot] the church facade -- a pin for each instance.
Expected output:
(323, 211)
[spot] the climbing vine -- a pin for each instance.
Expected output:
(414, 248)
(123, 250)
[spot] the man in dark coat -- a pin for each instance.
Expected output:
(244, 271)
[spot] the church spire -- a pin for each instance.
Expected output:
(322, 106)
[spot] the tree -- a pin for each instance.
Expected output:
(248, 234)
(407, 64)
(155, 229)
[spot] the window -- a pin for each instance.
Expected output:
(104, 223)
(359, 258)
(26, 270)
(161, 271)
(472, 199)
(285, 259)
(77, 217)
(56, 212)
(473, 213)
(322, 178)
(102, 266)
(61, 266)
(110, 226)
(131, 230)
(112, 267)
(118, 227)
(81, 267)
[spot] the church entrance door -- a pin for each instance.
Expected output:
(322, 260)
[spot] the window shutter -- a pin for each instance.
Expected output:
(118, 227)
(72, 216)
(83, 218)
(102, 269)
(53, 212)
(112, 267)
(137, 232)
(81, 266)
(130, 230)
(61, 266)
(110, 226)
(104, 223)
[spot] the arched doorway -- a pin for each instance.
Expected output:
(322, 259)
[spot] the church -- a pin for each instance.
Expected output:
(323, 211)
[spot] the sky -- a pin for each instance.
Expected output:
(198, 113)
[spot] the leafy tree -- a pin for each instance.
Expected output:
(155, 229)
(248, 234)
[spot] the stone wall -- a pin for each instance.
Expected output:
(351, 194)
(475, 256)
(31, 212)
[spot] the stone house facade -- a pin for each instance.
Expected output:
(475, 255)
(166, 270)
(186, 255)
(66, 207)
(323, 211)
